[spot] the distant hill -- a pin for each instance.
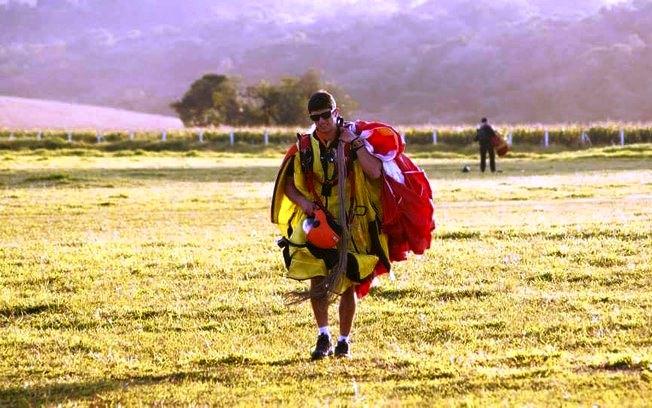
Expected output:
(23, 113)
(408, 62)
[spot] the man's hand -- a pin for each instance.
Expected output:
(371, 165)
(299, 199)
(307, 206)
(346, 135)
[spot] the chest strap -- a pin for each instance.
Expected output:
(307, 158)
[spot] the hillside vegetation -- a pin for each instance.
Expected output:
(441, 61)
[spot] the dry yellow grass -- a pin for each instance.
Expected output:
(154, 280)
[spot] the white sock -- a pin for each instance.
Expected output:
(345, 338)
(324, 330)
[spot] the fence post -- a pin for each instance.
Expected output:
(164, 136)
(266, 137)
(131, 135)
(99, 136)
(200, 135)
(546, 138)
(622, 137)
(39, 136)
(509, 138)
(69, 137)
(434, 136)
(231, 138)
(11, 136)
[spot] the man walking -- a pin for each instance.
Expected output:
(306, 207)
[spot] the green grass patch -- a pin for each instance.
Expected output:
(137, 277)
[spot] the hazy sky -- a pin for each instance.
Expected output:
(391, 4)
(310, 11)
(306, 12)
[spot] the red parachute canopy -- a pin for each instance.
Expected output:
(406, 198)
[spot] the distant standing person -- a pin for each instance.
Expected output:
(483, 136)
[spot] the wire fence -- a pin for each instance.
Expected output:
(543, 137)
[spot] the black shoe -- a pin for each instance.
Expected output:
(324, 348)
(342, 349)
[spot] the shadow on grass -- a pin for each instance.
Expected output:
(453, 235)
(214, 371)
(463, 294)
(240, 361)
(445, 295)
(26, 310)
(55, 394)
(395, 294)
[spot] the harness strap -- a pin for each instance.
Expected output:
(306, 158)
(285, 242)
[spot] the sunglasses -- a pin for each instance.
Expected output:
(323, 115)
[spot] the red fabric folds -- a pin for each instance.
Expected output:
(407, 211)
(384, 139)
(407, 208)
(499, 144)
(408, 216)
(363, 288)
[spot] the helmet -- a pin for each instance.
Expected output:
(319, 232)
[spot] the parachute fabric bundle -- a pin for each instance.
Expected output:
(407, 211)
(499, 144)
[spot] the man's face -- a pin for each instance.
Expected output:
(324, 119)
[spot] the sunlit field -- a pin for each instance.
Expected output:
(154, 279)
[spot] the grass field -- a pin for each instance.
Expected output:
(154, 279)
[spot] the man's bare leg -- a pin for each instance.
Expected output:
(347, 311)
(319, 305)
(324, 347)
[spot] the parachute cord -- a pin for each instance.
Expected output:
(332, 281)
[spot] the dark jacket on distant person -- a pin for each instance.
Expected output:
(484, 134)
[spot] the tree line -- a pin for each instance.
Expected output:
(215, 99)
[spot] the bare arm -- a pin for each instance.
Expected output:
(299, 199)
(372, 166)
